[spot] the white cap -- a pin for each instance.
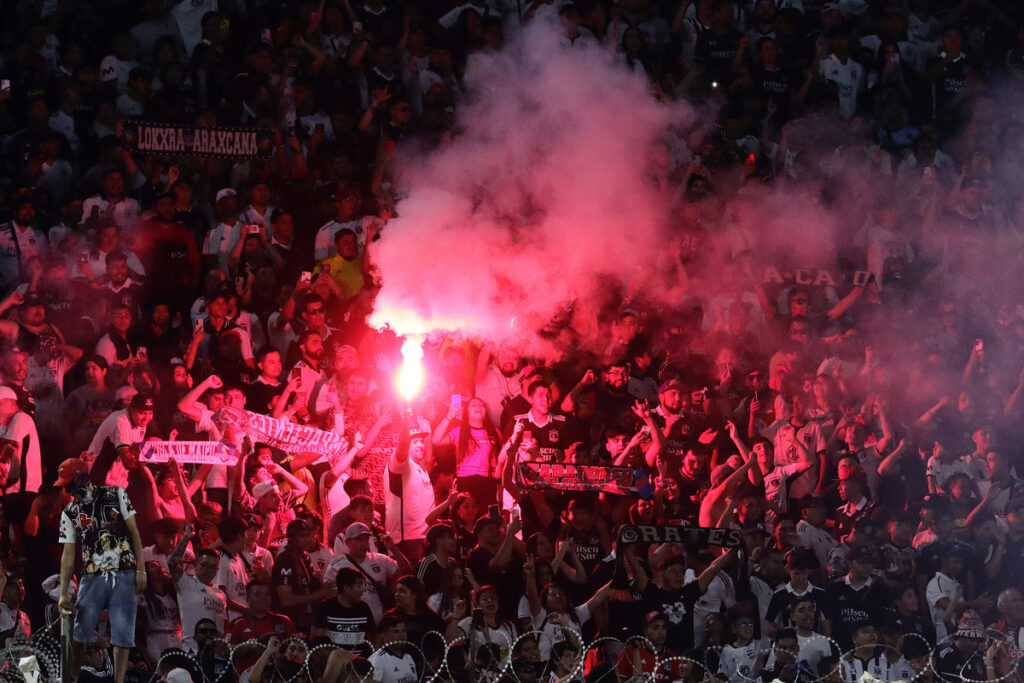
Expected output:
(125, 393)
(226, 192)
(108, 68)
(263, 488)
(8, 393)
(178, 675)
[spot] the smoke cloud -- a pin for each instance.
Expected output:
(541, 200)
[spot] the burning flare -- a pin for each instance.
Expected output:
(410, 375)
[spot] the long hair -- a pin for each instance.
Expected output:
(416, 586)
(466, 440)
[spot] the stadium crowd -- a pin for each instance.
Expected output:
(856, 425)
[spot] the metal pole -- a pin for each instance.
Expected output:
(66, 629)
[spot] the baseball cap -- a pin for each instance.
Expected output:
(263, 488)
(297, 526)
(226, 192)
(68, 470)
(252, 520)
(669, 385)
(754, 528)
(655, 616)
(125, 393)
(34, 299)
(8, 394)
(355, 530)
(225, 290)
(439, 531)
(483, 522)
(970, 626)
(142, 402)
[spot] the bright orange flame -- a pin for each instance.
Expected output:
(410, 375)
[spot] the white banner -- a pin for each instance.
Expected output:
(288, 436)
(201, 452)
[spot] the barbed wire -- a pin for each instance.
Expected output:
(45, 646)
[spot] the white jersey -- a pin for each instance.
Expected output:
(198, 601)
(389, 668)
(232, 577)
(406, 512)
(850, 79)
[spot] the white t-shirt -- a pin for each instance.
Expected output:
(503, 637)
(20, 428)
(380, 567)
(118, 429)
(786, 452)
(941, 586)
(198, 601)
(813, 649)
(323, 246)
(220, 241)
(850, 79)
(125, 215)
(742, 663)
(942, 471)
(406, 514)
(232, 577)
(776, 489)
(551, 633)
(189, 16)
(818, 540)
(389, 668)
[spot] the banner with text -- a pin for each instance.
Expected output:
(221, 142)
(700, 536)
(546, 475)
(289, 437)
(202, 452)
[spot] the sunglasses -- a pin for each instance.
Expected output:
(802, 301)
(314, 311)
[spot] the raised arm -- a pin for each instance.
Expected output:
(189, 403)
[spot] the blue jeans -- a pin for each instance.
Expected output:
(114, 592)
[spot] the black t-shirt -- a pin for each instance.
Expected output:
(552, 438)
(953, 666)
(508, 581)
(291, 568)
(848, 607)
(678, 605)
(348, 627)
(259, 394)
(716, 51)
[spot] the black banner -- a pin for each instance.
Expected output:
(546, 475)
(700, 536)
(222, 142)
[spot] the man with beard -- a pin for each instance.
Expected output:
(163, 342)
(103, 519)
(120, 287)
(115, 446)
(496, 380)
(20, 464)
(33, 331)
(15, 371)
(786, 451)
(612, 402)
(679, 426)
(306, 372)
(19, 243)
